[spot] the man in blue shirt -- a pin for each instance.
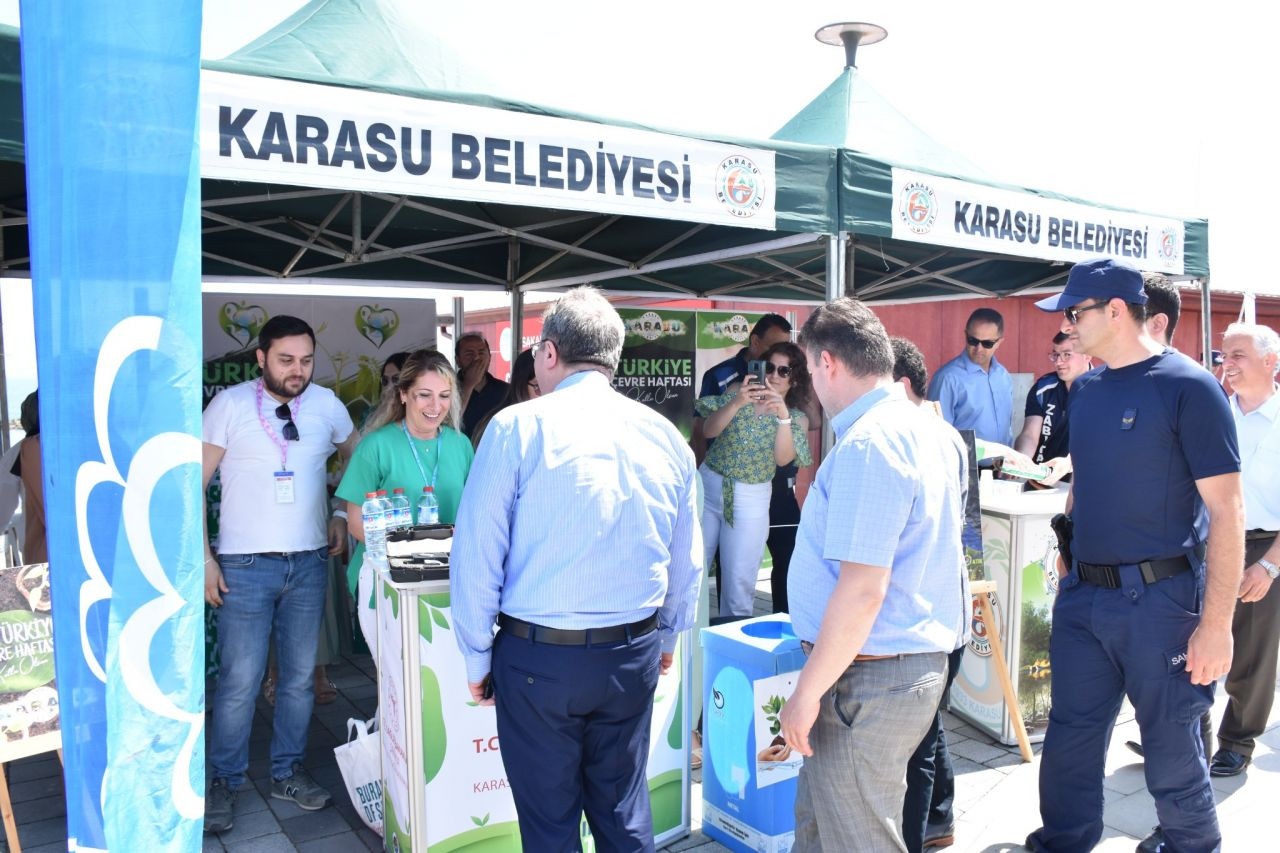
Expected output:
(878, 588)
(578, 537)
(974, 388)
(1138, 614)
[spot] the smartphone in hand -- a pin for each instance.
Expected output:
(756, 368)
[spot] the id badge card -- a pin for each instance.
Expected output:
(284, 487)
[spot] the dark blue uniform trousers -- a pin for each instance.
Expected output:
(1107, 644)
(573, 722)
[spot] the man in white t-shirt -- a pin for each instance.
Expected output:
(271, 438)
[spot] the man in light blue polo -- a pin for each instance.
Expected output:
(974, 389)
(878, 588)
(578, 536)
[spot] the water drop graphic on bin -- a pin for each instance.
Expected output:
(749, 773)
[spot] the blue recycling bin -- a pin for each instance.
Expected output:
(749, 774)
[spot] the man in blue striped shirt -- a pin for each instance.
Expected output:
(578, 537)
(878, 588)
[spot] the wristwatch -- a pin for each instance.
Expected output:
(1271, 568)
(784, 421)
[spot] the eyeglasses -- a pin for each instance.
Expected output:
(1073, 314)
(390, 380)
(782, 370)
(973, 342)
(290, 428)
(1056, 357)
(537, 348)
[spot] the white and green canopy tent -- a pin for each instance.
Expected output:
(335, 147)
(339, 146)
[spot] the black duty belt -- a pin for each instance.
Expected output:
(567, 637)
(1151, 570)
(1251, 535)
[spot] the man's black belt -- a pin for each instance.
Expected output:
(1251, 535)
(1151, 570)
(569, 637)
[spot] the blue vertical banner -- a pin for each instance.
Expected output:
(110, 93)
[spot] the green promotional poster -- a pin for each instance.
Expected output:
(657, 366)
(720, 335)
(29, 716)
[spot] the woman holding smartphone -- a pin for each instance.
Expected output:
(757, 426)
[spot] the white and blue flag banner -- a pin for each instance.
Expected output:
(966, 215)
(111, 96)
(289, 132)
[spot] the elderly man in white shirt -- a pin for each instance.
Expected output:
(1251, 354)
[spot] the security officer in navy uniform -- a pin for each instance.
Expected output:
(1141, 612)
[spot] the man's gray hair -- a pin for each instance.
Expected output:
(1265, 340)
(585, 328)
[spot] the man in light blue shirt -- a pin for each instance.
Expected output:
(578, 537)
(974, 388)
(878, 588)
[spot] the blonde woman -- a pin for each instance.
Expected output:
(411, 441)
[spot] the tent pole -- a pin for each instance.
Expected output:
(517, 300)
(517, 324)
(836, 273)
(835, 265)
(459, 319)
(1206, 323)
(4, 376)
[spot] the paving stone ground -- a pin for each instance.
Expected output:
(996, 793)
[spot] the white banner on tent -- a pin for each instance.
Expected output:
(283, 131)
(948, 212)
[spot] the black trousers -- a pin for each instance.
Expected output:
(573, 722)
(784, 515)
(931, 778)
(1251, 683)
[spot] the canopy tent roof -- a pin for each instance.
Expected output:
(833, 166)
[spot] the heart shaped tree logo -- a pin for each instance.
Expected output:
(376, 324)
(242, 321)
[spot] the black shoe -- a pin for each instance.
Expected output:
(1153, 843)
(219, 804)
(1135, 748)
(1228, 763)
(939, 835)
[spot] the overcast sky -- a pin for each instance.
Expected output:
(1166, 107)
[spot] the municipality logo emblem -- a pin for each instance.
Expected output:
(648, 326)
(740, 186)
(918, 207)
(1169, 244)
(736, 328)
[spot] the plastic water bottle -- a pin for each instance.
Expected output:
(401, 515)
(428, 508)
(373, 517)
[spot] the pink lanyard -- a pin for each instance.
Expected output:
(275, 437)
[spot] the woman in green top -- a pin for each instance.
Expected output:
(756, 428)
(411, 441)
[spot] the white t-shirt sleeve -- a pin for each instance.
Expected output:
(217, 419)
(341, 421)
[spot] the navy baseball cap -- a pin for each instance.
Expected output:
(1101, 278)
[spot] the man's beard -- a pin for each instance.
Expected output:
(279, 389)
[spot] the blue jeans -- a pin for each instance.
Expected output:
(266, 594)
